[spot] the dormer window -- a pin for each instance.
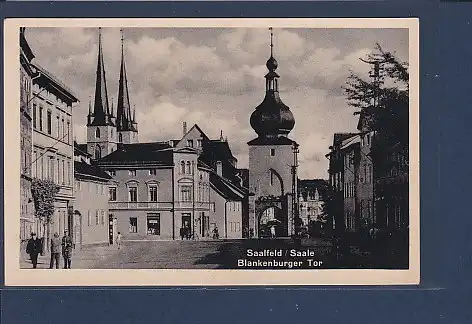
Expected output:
(190, 143)
(199, 143)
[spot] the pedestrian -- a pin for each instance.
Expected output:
(55, 251)
(33, 248)
(67, 250)
(272, 231)
(182, 233)
(118, 240)
(216, 235)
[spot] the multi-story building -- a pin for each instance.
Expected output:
(350, 150)
(180, 188)
(53, 149)
(337, 181)
(310, 200)
(366, 184)
(91, 218)
(26, 74)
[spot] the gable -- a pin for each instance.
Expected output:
(194, 135)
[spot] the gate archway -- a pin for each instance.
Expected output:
(271, 212)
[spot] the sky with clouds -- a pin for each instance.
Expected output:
(215, 78)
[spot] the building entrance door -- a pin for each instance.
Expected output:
(185, 231)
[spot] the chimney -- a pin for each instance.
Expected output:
(184, 128)
(219, 168)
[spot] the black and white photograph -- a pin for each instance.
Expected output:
(264, 147)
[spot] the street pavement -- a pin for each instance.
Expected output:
(187, 254)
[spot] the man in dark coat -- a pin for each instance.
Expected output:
(55, 251)
(33, 248)
(67, 249)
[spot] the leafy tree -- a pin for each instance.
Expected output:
(44, 192)
(382, 100)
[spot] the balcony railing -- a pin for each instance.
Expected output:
(166, 205)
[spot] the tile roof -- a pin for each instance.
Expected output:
(153, 152)
(226, 188)
(82, 168)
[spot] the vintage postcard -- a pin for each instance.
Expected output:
(211, 152)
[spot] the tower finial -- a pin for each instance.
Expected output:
(221, 136)
(271, 42)
(122, 38)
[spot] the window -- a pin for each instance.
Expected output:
(102, 189)
(34, 115)
(153, 224)
(34, 169)
(63, 126)
(88, 218)
(132, 173)
(363, 141)
(111, 133)
(188, 168)
(190, 143)
(182, 167)
(41, 118)
(58, 129)
(368, 139)
(272, 152)
(68, 173)
(68, 132)
(49, 122)
(97, 213)
(97, 133)
(153, 193)
(120, 138)
(199, 143)
(133, 225)
(133, 194)
(112, 172)
(59, 173)
(112, 194)
(186, 193)
(271, 180)
(63, 172)
(102, 217)
(369, 174)
(152, 172)
(98, 152)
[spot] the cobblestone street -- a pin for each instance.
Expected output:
(220, 254)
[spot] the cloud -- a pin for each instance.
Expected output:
(215, 78)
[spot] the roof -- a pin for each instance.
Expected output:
(226, 188)
(62, 87)
(25, 46)
(350, 141)
(153, 152)
(306, 186)
(281, 140)
(92, 170)
(81, 149)
(339, 137)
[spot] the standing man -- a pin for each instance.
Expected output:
(33, 248)
(118, 240)
(55, 251)
(67, 249)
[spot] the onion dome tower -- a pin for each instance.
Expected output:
(272, 118)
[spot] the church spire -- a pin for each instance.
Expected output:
(123, 109)
(100, 110)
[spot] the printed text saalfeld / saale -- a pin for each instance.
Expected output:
(279, 253)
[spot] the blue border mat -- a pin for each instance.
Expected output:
(446, 136)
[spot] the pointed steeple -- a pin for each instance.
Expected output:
(100, 110)
(123, 109)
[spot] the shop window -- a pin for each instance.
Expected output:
(133, 225)
(153, 224)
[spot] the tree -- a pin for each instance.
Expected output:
(382, 100)
(44, 193)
